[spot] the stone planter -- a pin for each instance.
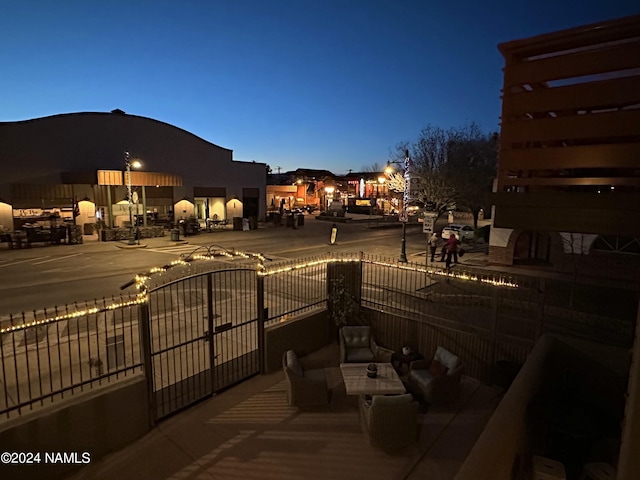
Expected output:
(120, 234)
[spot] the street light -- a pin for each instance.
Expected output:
(329, 194)
(128, 164)
(403, 217)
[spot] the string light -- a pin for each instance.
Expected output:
(141, 281)
(78, 313)
(458, 275)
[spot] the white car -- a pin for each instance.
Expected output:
(462, 232)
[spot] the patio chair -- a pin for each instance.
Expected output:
(357, 345)
(305, 388)
(390, 421)
(438, 380)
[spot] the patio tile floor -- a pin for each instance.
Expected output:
(249, 432)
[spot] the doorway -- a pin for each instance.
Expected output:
(532, 248)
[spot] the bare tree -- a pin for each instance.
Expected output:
(436, 193)
(454, 167)
(374, 167)
(428, 160)
(471, 167)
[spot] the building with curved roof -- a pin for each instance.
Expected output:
(53, 161)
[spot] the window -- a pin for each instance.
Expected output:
(617, 244)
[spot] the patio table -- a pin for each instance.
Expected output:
(357, 382)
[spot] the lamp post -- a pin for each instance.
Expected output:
(329, 194)
(405, 199)
(128, 164)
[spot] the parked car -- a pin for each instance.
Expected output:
(462, 232)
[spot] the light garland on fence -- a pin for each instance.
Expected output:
(141, 281)
(264, 272)
(475, 278)
(164, 268)
(78, 313)
(453, 274)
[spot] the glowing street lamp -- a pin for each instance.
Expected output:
(130, 164)
(329, 192)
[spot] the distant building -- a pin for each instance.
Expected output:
(368, 192)
(298, 188)
(50, 162)
(363, 192)
(568, 186)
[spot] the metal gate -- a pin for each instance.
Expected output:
(203, 337)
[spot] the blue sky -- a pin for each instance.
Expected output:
(292, 83)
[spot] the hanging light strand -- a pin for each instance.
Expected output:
(141, 281)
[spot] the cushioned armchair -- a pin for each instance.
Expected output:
(390, 421)
(437, 380)
(358, 346)
(305, 388)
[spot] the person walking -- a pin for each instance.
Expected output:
(443, 252)
(452, 250)
(433, 246)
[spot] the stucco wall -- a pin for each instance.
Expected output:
(6, 216)
(499, 236)
(629, 461)
(97, 422)
(504, 441)
(505, 448)
(305, 334)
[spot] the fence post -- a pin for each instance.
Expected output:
(541, 306)
(145, 350)
(262, 350)
(210, 331)
(358, 282)
(494, 332)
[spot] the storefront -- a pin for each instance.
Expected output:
(54, 163)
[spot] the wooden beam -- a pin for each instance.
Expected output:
(629, 202)
(588, 126)
(625, 155)
(591, 62)
(569, 181)
(583, 96)
(608, 214)
(533, 217)
(110, 177)
(592, 34)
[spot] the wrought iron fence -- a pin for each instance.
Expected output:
(203, 332)
(55, 353)
(485, 316)
(293, 287)
(58, 352)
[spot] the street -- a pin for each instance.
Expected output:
(85, 347)
(53, 275)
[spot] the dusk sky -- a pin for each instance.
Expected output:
(291, 83)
